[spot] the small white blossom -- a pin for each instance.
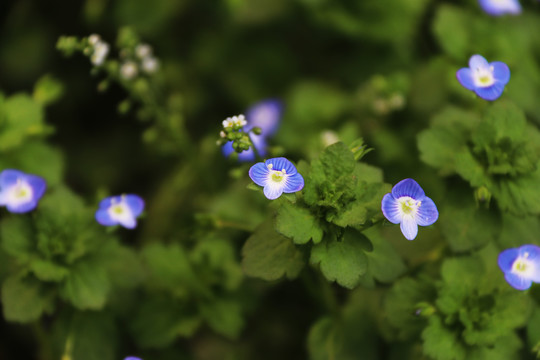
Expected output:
(150, 64)
(222, 134)
(94, 39)
(234, 122)
(128, 70)
(101, 50)
(143, 50)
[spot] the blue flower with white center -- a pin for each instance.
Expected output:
(20, 192)
(277, 176)
(487, 80)
(500, 7)
(521, 266)
(409, 206)
(132, 358)
(122, 209)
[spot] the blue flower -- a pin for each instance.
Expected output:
(521, 266)
(409, 206)
(500, 7)
(20, 192)
(265, 114)
(487, 80)
(132, 358)
(277, 176)
(121, 209)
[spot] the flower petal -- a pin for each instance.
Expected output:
(501, 72)
(409, 228)
(506, 259)
(490, 93)
(518, 282)
(427, 213)
(265, 114)
(103, 217)
(281, 163)
(129, 222)
(293, 183)
(478, 62)
(390, 209)
(408, 187)
(259, 174)
(498, 8)
(135, 203)
(106, 203)
(22, 207)
(10, 177)
(273, 190)
(465, 78)
(38, 185)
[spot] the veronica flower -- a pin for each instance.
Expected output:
(20, 192)
(277, 176)
(132, 358)
(266, 115)
(500, 7)
(409, 206)
(122, 209)
(487, 80)
(521, 266)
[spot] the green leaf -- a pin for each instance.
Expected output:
(401, 305)
(87, 286)
(160, 320)
(87, 335)
(298, 223)
(441, 343)
(122, 264)
(446, 138)
(48, 271)
(342, 261)
(506, 347)
(451, 27)
(224, 316)
(17, 237)
(465, 226)
(384, 262)
(269, 255)
(47, 90)
(323, 342)
(519, 196)
(25, 299)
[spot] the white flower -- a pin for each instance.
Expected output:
(101, 50)
(93, 39)
(234, 122)
(143, 50)
(150, 64)
(128, 70)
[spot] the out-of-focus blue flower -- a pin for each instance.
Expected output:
(409, 206)
(132, 358)
(265, 114)
(20, 192)
(277, 176)
(121, 209)
(487, 80)
(521, 266)
(500, 7)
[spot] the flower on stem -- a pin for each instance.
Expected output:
(128, 70)
(277, 176)
(487, 80)
(521, 266)
(409, 206)
(20, 192)
(99, 49)
(121, 209)
(234, 123)
(500, 7)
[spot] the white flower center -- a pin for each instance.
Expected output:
(523, 266)
(20, 193)
(483, 76)
(120, 211)
(408, 205)
(276, 175)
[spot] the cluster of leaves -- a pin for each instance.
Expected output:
(340, 199)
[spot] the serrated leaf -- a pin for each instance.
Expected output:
(384, 262)
(25, 299)
(466, 227)
(342, 261)
(87, 286)
(298, 223)
(441, 343)
(269, 255)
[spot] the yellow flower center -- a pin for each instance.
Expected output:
(118, 209)
(408, 205)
